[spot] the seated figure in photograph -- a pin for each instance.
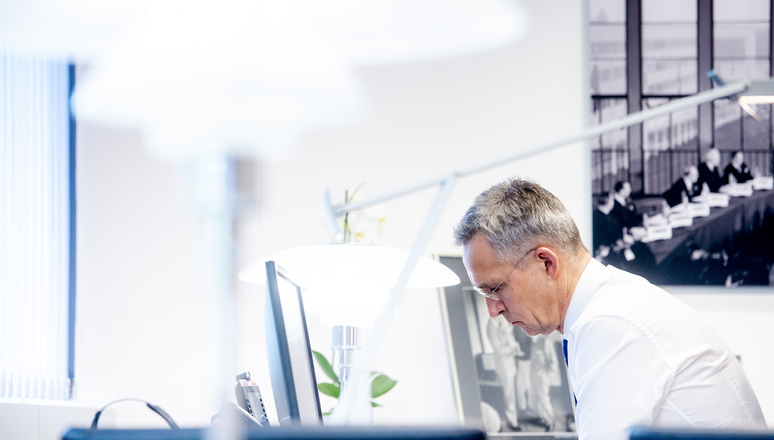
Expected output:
(685, 188)
(623, 209)
(619, 246)
(635, 354)
(608, 234)
(709, 171)
(737, 171)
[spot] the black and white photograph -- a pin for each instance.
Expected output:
(520, 376)
(507, 381)
(684, 198)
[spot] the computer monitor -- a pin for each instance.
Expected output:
(650, 433)
(291, 365)
(287, 433)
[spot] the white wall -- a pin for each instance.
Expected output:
(141, 320)
(143, 324)
(44, 420)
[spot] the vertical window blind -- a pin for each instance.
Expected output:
(36, 213)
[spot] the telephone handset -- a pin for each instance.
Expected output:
(248, 397)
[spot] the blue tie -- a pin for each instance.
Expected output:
(564, 352)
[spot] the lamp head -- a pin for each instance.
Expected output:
(758, 92)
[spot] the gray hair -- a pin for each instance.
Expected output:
(517, 215)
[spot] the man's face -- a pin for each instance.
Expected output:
(626, 190)
(608, 205)
(713, 157)
(527, 296)
(693, 174)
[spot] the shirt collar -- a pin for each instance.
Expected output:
(593, 277)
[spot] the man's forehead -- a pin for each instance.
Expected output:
(477, 252)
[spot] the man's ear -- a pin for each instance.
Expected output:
(550, 261)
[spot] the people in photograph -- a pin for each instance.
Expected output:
(709, 171)
(638, 258)
(607, 231)
(524, 396)
(490, 417)
(545, 367)
(623, 209)
(635, 354)
(621, 247)
(737, 171)
(685, 188)
(506, 349)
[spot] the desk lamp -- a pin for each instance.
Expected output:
(347, 284)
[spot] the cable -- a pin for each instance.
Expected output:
(154, 408)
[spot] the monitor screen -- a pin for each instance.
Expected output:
(291, 365)
(287, 433)
(651, 433)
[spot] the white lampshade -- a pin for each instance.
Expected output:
(342, 262)
(348, 283)
(205, 76)
(243, 77)
(374, 32)
(74, 30)
(365, 31)
(356, 304)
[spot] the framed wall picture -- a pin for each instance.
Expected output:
(505, 381)
(683, 199)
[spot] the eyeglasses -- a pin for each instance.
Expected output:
(492, 294)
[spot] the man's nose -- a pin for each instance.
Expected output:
(495, 307)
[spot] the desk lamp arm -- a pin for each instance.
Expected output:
(731, 89)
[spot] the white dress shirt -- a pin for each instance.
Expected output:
(638, 356)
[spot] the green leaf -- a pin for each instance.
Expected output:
(375, 405)
(329, 389)
(322, 361)
(381, 384)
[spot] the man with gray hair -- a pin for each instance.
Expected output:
(635, 354)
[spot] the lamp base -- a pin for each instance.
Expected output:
(346, 340)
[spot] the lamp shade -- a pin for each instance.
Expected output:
(352, 303)
(215, 77)
(378, 32)
(73, 30)
(758, 92)
(243, 77)
(344, 262)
